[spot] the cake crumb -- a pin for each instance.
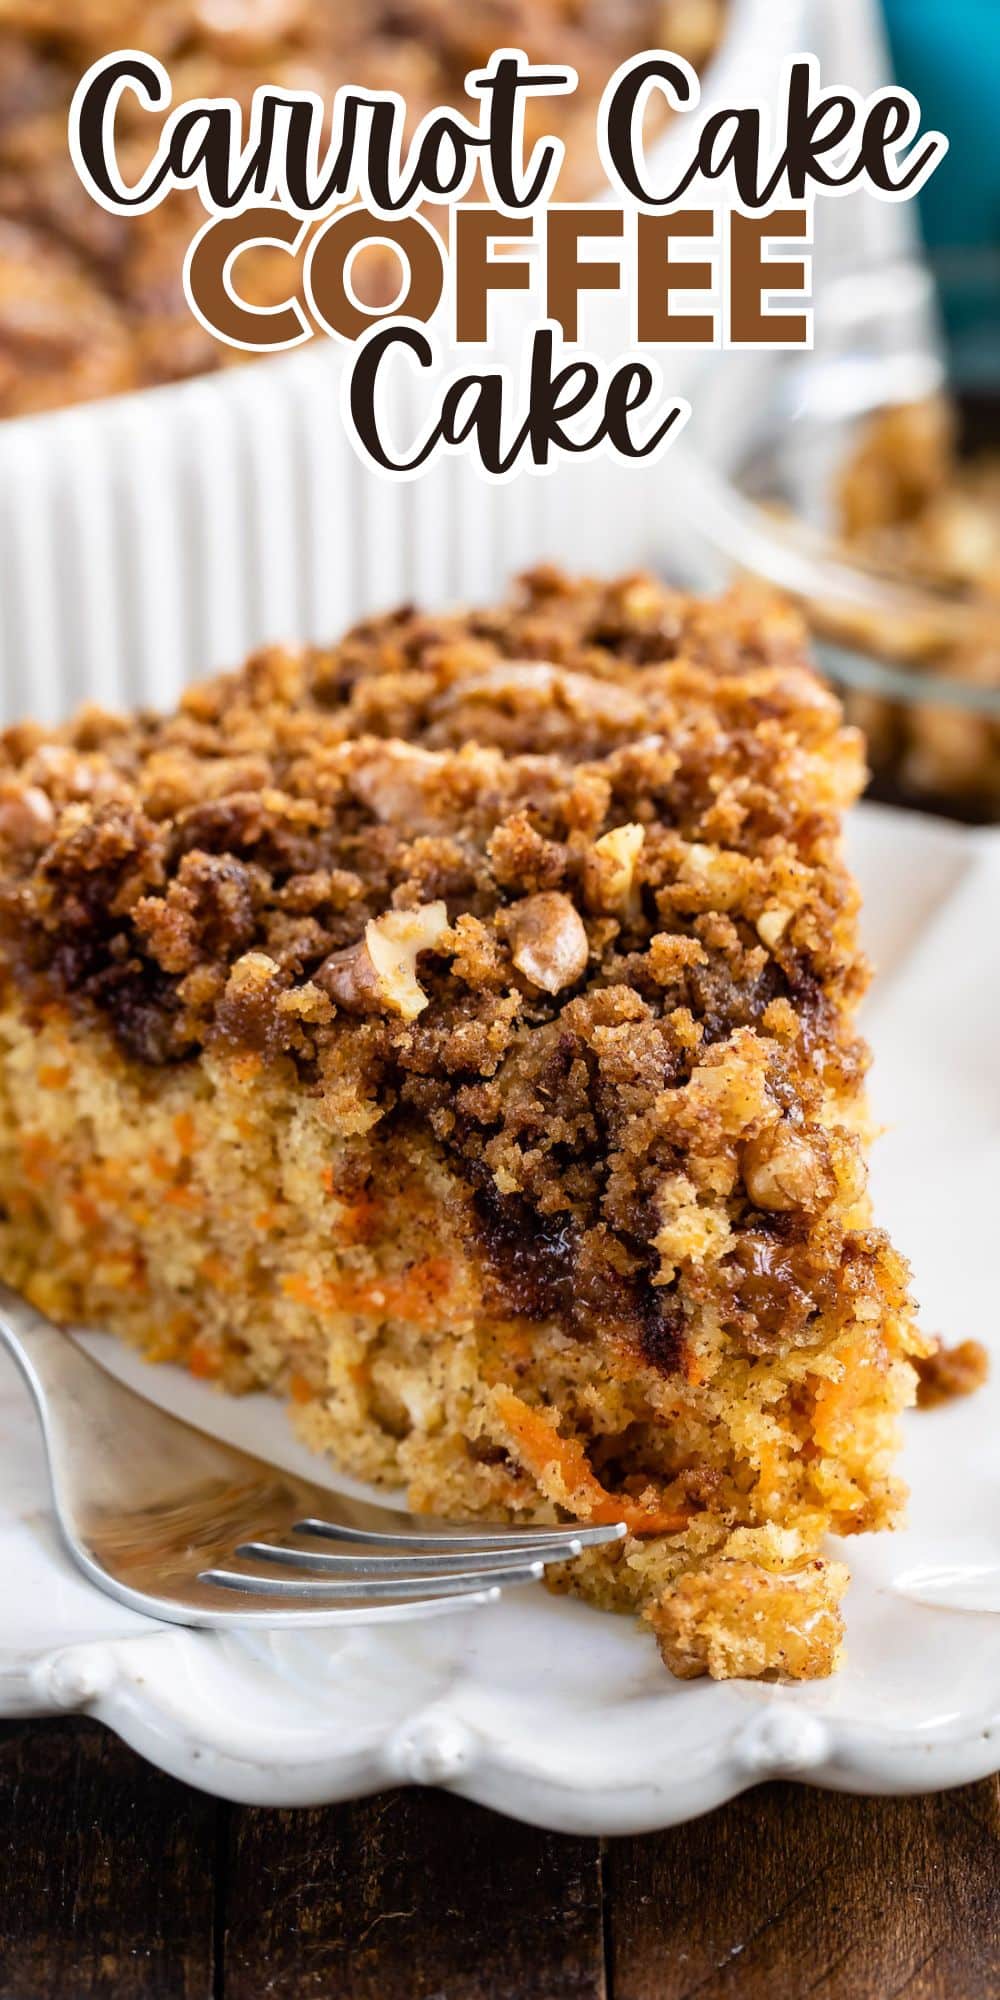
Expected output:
(738, 1619)
(948, 1372)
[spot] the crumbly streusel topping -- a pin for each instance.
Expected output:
(560, 881)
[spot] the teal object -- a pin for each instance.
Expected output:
(948, 53)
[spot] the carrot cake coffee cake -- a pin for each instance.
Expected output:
(454, 1031)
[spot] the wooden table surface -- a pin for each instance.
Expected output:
(117, 1883)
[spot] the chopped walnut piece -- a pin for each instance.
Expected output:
(772, 925)
(737, 1620)
(950, 1371)
(396, 782)
(64, 771)
(244, 30)
(548, 940)
(783, 1169)
(609, 869)
(26, 814)
(538, 682)
(378, 974)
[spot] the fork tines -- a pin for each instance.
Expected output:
(403, 1566)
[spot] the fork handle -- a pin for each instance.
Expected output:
(102, 1440)
(79, 1405)
(49, 1361)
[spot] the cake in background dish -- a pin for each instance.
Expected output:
(454, 1031)
(91, 304)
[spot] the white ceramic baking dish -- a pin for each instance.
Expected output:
(154, 536)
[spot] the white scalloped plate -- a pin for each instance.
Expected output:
(544, 1708)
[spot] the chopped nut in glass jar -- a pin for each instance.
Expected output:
(919, 510)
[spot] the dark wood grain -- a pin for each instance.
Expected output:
(788, 1892)
(409, 1896)
(106, 1871)
(117, 1884)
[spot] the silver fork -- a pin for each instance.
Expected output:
(187, 1529)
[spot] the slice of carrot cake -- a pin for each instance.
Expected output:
(454, 1030)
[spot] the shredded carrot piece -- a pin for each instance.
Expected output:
(767, 1474)
(245, 1068)
(544, 1452)
(182, 1197)
(38, 1156)
(54, 1076)
(105, 1181)
(214, 1270)
(301, 1389)
(835, 1402)
(204, 1361)
(517, 1343)
(416, 1296)
(124, 1269)
(358, 1219)
(425, 1284)
(184, 1131)
(303, 1291)
(358, 1213)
